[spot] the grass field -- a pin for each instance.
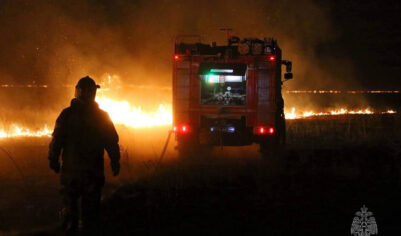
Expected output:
(330, 168)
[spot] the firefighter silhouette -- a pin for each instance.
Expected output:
(81, 134)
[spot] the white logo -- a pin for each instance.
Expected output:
(364, 223)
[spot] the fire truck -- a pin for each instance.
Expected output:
(228, 95)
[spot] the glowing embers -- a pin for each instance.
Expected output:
(263, 130)
(293, 114)
(181, 129)
(341, 91)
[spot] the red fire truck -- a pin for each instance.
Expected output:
(228, 95)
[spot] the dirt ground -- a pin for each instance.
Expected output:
(328, 171)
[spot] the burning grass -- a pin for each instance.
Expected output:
(293, 114)
(124, 113)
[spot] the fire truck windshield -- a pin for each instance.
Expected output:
(218, 89)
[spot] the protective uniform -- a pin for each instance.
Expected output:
(81, 133)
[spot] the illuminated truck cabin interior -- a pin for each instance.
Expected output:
(223, 84)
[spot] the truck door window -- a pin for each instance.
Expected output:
(222, 89)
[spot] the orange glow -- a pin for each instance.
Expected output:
(17, 131)
(341, 91)
(123, 113)
(293, 114)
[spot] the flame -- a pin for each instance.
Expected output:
(17, 131)
(341, 91)
(293, 114)
(122, 112)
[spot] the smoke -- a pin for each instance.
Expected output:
(60, 41)
(56, 42)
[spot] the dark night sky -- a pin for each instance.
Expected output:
(353, 44)
(370, 37)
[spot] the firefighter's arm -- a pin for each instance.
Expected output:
(57, 142)
(112, 147)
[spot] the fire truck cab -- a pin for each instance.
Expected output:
(228, 95)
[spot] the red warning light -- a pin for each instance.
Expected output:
(272, 58)
(176, 57)
(271, 130)
(181, 129)
(262, 130)
(184, 129)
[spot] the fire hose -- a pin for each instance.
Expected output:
(164, 149)
(14, 162)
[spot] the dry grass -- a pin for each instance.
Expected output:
(346, 152)
(332, 131)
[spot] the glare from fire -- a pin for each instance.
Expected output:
(120, 112)
(123, 113)
(18, 131)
